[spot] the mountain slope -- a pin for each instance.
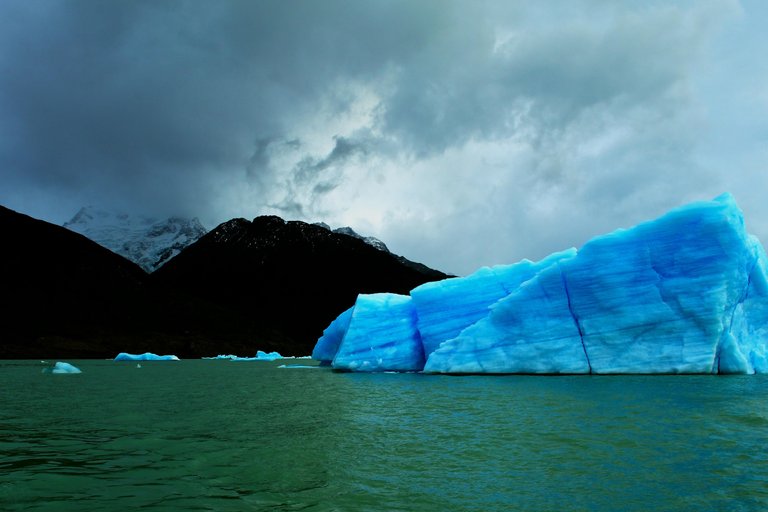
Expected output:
(58, 284)
(147, 241)
(266, 285)
(291, 276)
(64, 295)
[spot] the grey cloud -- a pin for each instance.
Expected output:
(205, 106)
(302, 187)
(343, 150)
(151, 93)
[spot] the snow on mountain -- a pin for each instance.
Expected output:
(147, 241)
(370, 240)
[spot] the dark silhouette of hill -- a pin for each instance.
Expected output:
(66, 296)
(266, 285)
(291, 276)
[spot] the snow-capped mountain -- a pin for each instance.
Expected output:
(147, 241)
(346, 230)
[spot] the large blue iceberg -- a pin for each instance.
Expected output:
(685, 293)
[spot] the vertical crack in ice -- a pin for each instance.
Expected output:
(573, 315)
(741, 300)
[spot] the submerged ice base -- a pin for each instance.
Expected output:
(685, 293)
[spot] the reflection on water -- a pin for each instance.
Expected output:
(217, 435)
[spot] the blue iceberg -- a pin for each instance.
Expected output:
(260, 356)
(62, 368)
(381, 336)
(685, 293)
(146, 356)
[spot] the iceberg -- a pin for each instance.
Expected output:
(62, 368)
(260, 356)
(684, 293)
(381, 336)
(146, 356)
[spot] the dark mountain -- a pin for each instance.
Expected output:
(63, 295)
(266, 285)
(291, 276)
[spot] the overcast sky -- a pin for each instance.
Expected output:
(461, 133)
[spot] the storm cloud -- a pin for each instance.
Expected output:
(460, 133)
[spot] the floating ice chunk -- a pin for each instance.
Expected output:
(445, 308)
(62, 368)
(147, 356)
(328, 344)
(381, 336)
(529, 331)
(260, 356)
(300, 366)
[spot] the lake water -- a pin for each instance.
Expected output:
(222, 435)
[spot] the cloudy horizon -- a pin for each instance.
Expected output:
(460, 133)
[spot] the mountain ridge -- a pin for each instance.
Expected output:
(64, 295)
(268, 266)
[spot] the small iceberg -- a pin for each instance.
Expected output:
(62, 368)
(260, 356)
(302, 366)
(146, 356)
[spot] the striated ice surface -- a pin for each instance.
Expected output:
(658, 298)
(328, 344)
(382, 335)
(446, 307)
(685, 293)
(146, 356)
(530, 331)
(744, 348)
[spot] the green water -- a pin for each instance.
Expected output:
(222, 435)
